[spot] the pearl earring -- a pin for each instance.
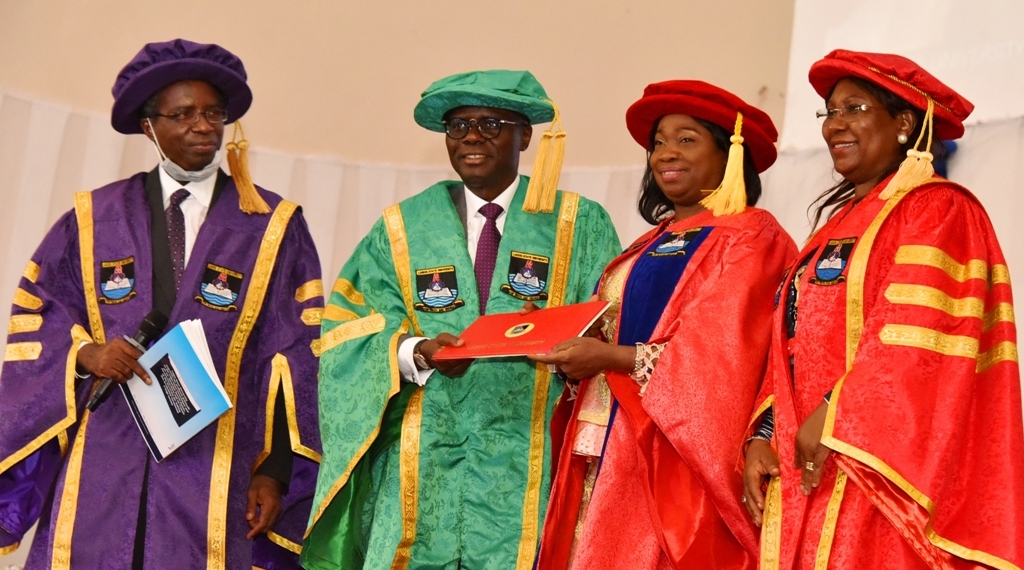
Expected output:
(902, 138)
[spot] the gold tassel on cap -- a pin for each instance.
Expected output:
(731, 195)
(917, 168)
(547, 168)
(249, 200)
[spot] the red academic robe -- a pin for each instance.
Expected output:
(667, 493)
(905, 314)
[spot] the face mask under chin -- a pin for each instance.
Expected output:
(180, 174)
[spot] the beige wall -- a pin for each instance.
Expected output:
(340, 78)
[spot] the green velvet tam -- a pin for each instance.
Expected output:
(517, 91)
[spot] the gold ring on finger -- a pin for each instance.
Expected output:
(809, 466)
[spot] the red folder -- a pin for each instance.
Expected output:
(512, 334)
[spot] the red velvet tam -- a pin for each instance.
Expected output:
(703, 101)
(900, 76)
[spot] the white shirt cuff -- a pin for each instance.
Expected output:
(407, 365)
(77, 375)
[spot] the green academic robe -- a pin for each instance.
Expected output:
(455, 472)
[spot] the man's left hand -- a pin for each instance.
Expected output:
(264, 504)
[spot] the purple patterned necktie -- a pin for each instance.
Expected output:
(176, 234)
(487, 252)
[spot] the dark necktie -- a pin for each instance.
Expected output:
(176, 234)
(487, 252)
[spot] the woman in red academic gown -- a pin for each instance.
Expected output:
(890, 420)
(646, 477)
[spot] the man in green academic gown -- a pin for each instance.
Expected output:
(447, 464)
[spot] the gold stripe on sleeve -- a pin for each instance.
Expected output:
(24, 323)
(31, 271)
(923, 296)
(928, 339)
(771, 527)
(26, 300)
(351, 330)
(336, 313)
(312, 316)
(309, 290)
(935, 257)
(284, 542)
(1000, 275)
(83, 213)
(346, 289)
(1002, 313)
(1002, 352)
(18, 351)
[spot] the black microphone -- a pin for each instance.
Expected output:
(149, 329)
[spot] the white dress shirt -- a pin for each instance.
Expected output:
(194, 207)
(474, 227)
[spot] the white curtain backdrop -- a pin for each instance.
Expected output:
(48, 152)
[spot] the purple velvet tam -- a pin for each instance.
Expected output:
(161, 64)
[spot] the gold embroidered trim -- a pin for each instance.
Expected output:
(343, 479)
(220, 476)
(1000, 275)
(535, 470)
(351, 330)
(309, 290)
(828, 530)
(17, 351)
(771, 526)
(921, 499)
(312, 316)
(62, 441)
(336, 313)
(935, 257)
(281, 378)
(284, 542)
(65, 527)
(9, 548)
(24, 323)
(1001, 352)
(26, 300)
(400, 258)
(767, 403)
(346, 289)
(314, 347)
(563, 248)
(31, 271)
(920, 255)
(923, 296)
(928, 339)
(409, 472)
(78, 335)
(83, 213)
(1002, 313)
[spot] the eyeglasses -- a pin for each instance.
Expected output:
(847, 112)
(191, 116)
(488, 127)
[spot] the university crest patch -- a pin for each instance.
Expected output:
(527, 276)
(117, 281)
(833, 261)
(437, 289)
(219, 288)
(674, 243)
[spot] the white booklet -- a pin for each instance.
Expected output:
(186, 394)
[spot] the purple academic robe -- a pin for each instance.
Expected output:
(80, 473)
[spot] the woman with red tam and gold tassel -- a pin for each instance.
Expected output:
(647, 478)
(889, 425)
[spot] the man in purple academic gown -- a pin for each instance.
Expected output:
(196, 244)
